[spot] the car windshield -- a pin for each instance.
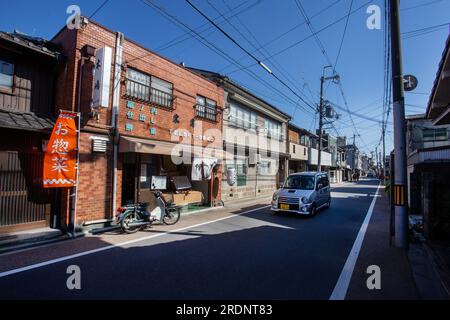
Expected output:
(299, 182)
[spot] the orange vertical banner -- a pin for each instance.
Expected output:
(60, 158)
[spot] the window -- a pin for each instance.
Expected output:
(304, 151)
(206, 108)
(435, 134)
(6, 74)
(293, 148)
(161, 92)
(149, 88)
(138, 85)
(273, 129)
(242, 117)
(299, 182)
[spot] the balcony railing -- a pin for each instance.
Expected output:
(140, 92)
(206, 112)
(161, 98)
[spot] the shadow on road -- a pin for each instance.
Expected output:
(259, 256)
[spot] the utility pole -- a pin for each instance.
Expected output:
(384, 155)
(401, 210)
(319, 156)
(376, 161)
(321, 113)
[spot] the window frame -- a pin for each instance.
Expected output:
(11, 87)
(147, 92)
(207, 110)
(242, 117)
(270, 126)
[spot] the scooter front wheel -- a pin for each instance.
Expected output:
(128, 219)
(172, 216)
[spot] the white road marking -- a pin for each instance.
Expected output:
(85, 253)
(340, 290)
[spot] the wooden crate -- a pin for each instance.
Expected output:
(180, 199)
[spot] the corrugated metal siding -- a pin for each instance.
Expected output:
(435, 155)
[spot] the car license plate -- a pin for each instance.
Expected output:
(284, 206)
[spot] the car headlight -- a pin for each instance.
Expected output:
(275, 197)
(305, 200)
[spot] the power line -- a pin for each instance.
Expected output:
(98, 9)
(278, 37)
(218, 51)
(201, 29)
(327, 57)
(311, 36)
(424, 31)
(249, 54)
(276, 65)
(343, 34)
(421, 5)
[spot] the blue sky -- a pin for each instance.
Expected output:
(360, 63)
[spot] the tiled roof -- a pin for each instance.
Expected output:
(25, 121)
(37, 44)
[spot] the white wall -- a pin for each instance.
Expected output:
(325, 157)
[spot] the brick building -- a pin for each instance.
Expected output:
(144, 120)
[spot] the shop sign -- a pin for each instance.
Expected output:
(187, 134)
(60, 158)
(102, 76)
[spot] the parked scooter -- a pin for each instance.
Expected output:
(135, 217)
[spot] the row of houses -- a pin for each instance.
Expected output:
(146, 123)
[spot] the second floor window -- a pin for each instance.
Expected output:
(439, 134)
(242, 117)
(6, 74)
(273, 129)
(149, 88)
(206, 108)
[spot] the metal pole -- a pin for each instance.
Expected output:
(401, 211)
(384, 156)
(75, 205)
(319, 157)
(376, 162)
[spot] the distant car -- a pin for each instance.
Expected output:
(303, 193)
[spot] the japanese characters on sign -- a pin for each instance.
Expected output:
(102, 75)
(60, 157)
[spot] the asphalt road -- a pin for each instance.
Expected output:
(251, 256)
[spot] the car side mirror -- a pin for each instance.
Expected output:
(319, 186)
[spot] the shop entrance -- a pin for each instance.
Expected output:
(142, 174)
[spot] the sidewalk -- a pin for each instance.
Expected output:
(404, 275)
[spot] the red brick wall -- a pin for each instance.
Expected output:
(96, 171)
(187, 86)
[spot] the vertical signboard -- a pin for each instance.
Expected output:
(60, 158)
(102, 77)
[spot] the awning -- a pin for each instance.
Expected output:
(139, 145)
